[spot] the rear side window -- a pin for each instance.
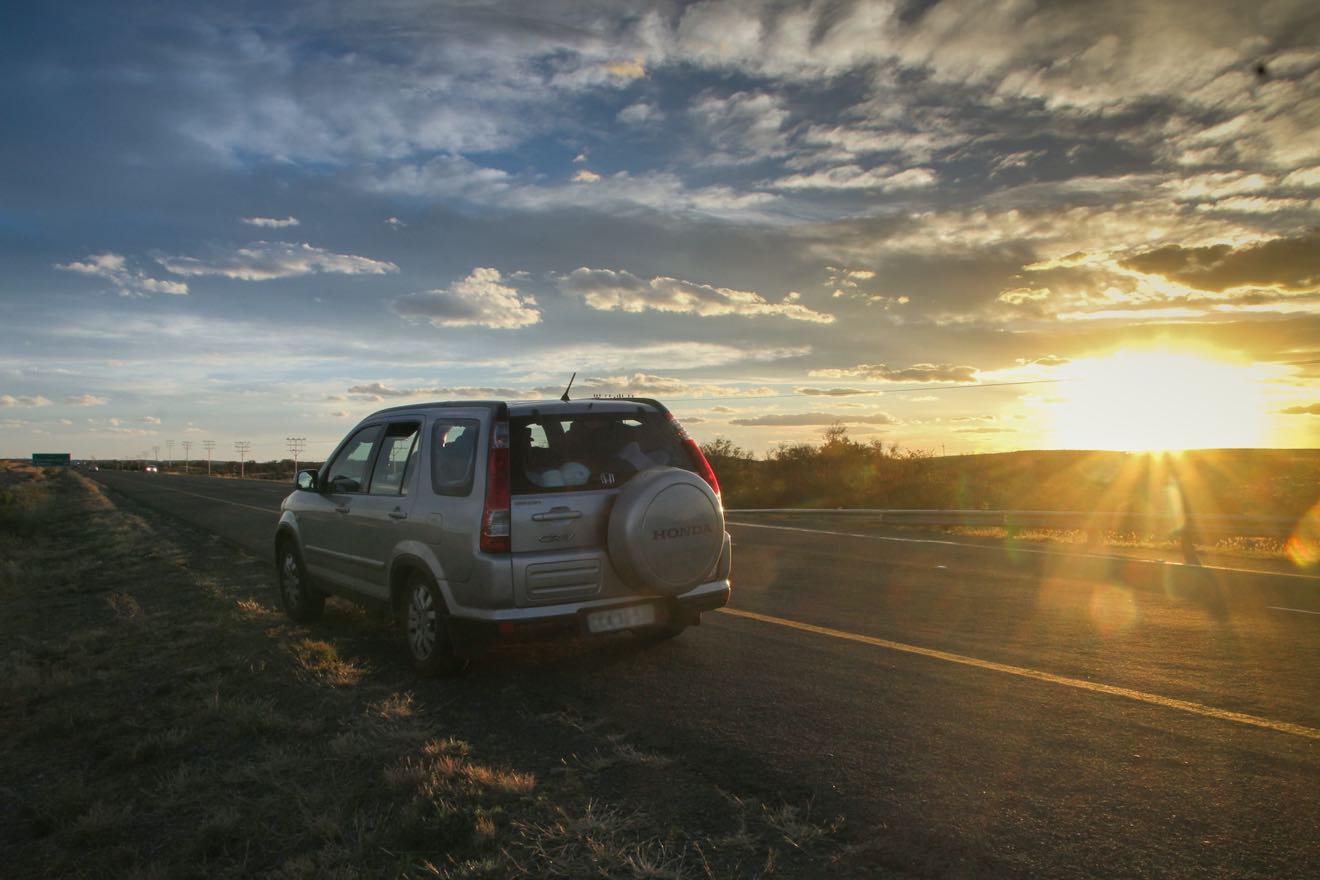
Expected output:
(453, 456)
(590, 450)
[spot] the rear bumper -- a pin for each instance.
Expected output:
(548, 620)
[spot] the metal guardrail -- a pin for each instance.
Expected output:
(1162, 525)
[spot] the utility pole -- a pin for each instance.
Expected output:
(296, 446)
(210, 445)
(155, 454)
(242, 447)
(187, 448)
(169, 455)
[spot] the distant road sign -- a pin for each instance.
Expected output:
(50, 458)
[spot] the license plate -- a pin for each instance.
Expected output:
(621, 618)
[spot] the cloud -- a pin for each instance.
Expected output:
(740, 128)
(377, 391)
(798, 420)
(1310, 409)
(149, 420)
(479, 300)
(607, 290)
(914, 373)
(86, 400)
(582, 175)
(1049, 360)
(641, 113)
(648, 384)
(1290, 264)
(633, 69)
(831, 392)
(985, 430)
(23, 400)
(272, 222)
(128, 280)
(268, 260)
(883, 178)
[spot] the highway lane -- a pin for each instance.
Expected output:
(940, 765)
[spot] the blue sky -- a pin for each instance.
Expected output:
(249, 221)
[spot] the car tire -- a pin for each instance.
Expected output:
(299, 596)
(426, 631)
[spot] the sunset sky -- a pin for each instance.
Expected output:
(249, 221)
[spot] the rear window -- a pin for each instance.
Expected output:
(565, 453)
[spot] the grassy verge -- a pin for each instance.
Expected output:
(162, 719)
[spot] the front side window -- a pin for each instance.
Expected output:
(396, 455)
(454, 456)
(348, 472)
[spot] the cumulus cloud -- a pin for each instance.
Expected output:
(1310, 409)
(798, 420)
(582, 175)
(649, 384)
(608, 290)
(128, 280)
(86, 400)
(914, 373)
(377, 391)
(23, 400)
(1290, 264)
(268, 260)
(831, 392)
(881, 178)
(272, 222)
(149, 420)
(480, 300)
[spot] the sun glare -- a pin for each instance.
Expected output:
(1158, 400)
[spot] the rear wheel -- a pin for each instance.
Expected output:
(426, 629)
(301, 600)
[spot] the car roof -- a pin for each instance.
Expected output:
(533, 407)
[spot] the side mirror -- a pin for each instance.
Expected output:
(306, 480)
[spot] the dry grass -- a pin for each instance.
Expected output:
(162, 720)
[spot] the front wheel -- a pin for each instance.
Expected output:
(301, 600)
(426, 631)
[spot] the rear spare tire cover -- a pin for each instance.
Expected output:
(666, 530)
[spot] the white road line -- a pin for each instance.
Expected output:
(1293, 610)
(1020, 549)
(1023, 672)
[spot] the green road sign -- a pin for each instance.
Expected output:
(50, 458)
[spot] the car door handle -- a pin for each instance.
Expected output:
(556, 514)
(341, 508)
(397, 513)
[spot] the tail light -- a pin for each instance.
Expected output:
(496, 519)
(704, 470)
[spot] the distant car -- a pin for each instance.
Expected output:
(151, 469)
(478, 520)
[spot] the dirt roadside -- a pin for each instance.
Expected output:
(161, 718)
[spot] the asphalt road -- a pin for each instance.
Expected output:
(969, 710)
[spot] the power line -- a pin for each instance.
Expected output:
(187, 448)
(296, 446)
(210, 445)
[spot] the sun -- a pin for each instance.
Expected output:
(1158, 400)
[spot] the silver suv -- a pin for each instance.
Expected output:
(490, 519)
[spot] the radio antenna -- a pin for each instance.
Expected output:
(564, 396)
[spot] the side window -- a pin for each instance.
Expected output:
(348, 472)
(396, 455)
(454, 456)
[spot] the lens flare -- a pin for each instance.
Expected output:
(1303, 545)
